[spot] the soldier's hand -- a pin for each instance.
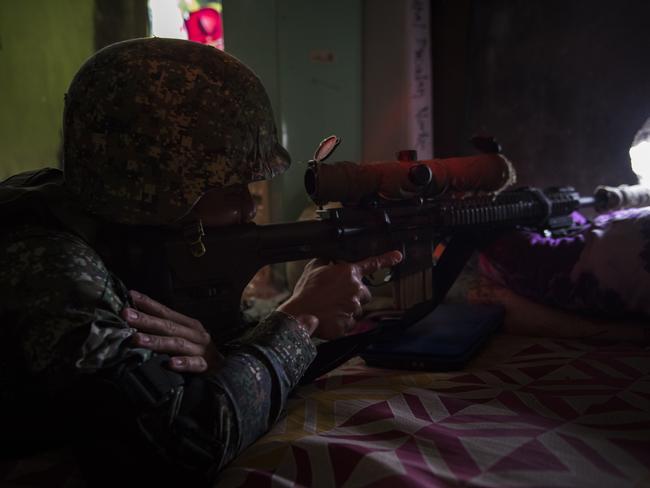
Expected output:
(334, 293)
(163, 330)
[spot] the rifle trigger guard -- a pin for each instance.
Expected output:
(193, 234)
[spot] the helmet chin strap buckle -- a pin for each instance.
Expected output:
(194, 234)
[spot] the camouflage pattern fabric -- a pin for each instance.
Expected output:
(56, 283)
(151, 124)
(59, 316)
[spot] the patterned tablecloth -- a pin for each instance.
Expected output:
(526, 412)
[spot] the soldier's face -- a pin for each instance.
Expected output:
(225, 206)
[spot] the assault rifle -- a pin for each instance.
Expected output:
(205, 274)
(210, 287)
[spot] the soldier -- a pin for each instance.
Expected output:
(166, 133)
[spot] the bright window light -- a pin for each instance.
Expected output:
(166, 19)
(640, 154)
(196, 20)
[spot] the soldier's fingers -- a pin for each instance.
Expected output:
(165, 327)
(370, 265)
(347, 323)
(358, 309)
(175, 346)
(363, 293)
(188, 364)
(157, 309)
(316, 263)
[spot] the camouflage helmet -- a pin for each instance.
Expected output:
(151, 124)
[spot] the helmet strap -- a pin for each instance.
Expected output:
(193, 234)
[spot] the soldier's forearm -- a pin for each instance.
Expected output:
(203, 421)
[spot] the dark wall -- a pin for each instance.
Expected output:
(563, 85)
(117, 20)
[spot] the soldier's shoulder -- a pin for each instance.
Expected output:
(53, 285)
(42, 263)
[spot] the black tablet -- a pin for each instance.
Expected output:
(445, 340)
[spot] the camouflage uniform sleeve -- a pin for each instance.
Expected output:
(278, 350)
(54, 290)
(65, 307)
(245, 396)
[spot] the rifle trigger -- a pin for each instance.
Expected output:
(193, 234)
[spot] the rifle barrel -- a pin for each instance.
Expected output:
(587, 202)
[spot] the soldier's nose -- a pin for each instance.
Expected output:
(226, 206)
